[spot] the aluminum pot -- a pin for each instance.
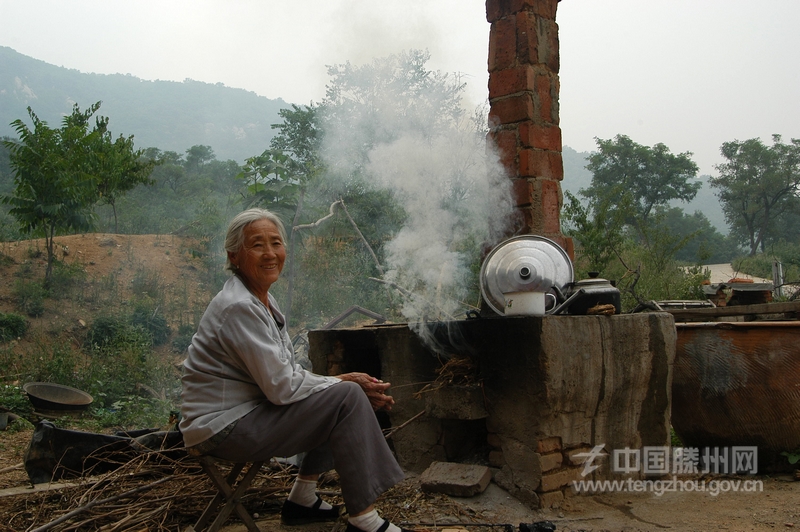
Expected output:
(525, 263)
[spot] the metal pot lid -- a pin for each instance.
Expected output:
(593, 281)
(526, 263)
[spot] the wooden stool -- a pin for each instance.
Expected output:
(230, 491)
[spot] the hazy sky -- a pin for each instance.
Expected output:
(689, 73)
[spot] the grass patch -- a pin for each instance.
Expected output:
(12, 325)
(29, 297)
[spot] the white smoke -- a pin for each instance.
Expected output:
(452, 187)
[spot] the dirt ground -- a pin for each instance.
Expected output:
(776, 507)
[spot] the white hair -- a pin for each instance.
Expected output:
(234, 238)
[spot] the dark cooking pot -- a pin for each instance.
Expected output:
(49, 396)
(580, 296)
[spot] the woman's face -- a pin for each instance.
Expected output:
(261, 257)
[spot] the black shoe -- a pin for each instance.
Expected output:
(294, 514)
(353, 528)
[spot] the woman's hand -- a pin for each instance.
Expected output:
(374, 388)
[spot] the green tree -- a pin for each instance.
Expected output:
(757, 185)
(651, 177)
(197, 156)
(55, 187)
(705, 245)
(598, 230)
(119, 167)
(60, 174)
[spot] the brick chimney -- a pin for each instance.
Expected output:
(523, 118)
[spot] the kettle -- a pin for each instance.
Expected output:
(580, 296)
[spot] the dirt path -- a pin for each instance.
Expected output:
(776, 507)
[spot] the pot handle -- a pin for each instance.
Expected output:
(567, 303)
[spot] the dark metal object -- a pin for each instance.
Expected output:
(355, 308)
(49, 396)
(538, 526)
(593, 292)
(56, 453)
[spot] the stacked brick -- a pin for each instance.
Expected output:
(523, 119)
(549, 471)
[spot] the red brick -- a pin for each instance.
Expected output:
(505, 142)
(551, 206)
(527, 38)
(551, 461)
(544, 137)
(571, 455)
(551, 499)
(546, 92)
(521, 192)
(566, 243)
(558, 479)
(545, 207)
(497, 9)
(548, 51)
(548, 445)
(540, 163)
(524, 224)
(510, 81)
(502, 45)
(512, 109)
(544, 8)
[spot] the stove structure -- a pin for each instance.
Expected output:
(547, 390)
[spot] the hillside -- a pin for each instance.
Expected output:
(165, 114)
(107, 273)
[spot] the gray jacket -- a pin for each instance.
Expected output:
(238, 359)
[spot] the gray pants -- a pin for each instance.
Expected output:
(337, 429)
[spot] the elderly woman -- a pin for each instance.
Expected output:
(245, 399)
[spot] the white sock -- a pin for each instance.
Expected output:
(304, 493)
(370, 522)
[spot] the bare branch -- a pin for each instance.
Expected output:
(319, 222)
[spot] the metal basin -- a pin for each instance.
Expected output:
(49, 396)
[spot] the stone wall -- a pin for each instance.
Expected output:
(551, 388)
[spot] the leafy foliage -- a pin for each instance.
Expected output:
(59, 174)
(12, 325)
(30, 296)
(627, 232)
(757, 186)
(650, 177)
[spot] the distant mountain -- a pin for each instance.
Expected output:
(576, 177)
(164, 114)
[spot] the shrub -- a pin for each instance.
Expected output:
(148, 318)
(12, 325)
(147, 282)
(30, 297)
(65, 278)
(14, 399)
(184, 337)
(108, 334)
